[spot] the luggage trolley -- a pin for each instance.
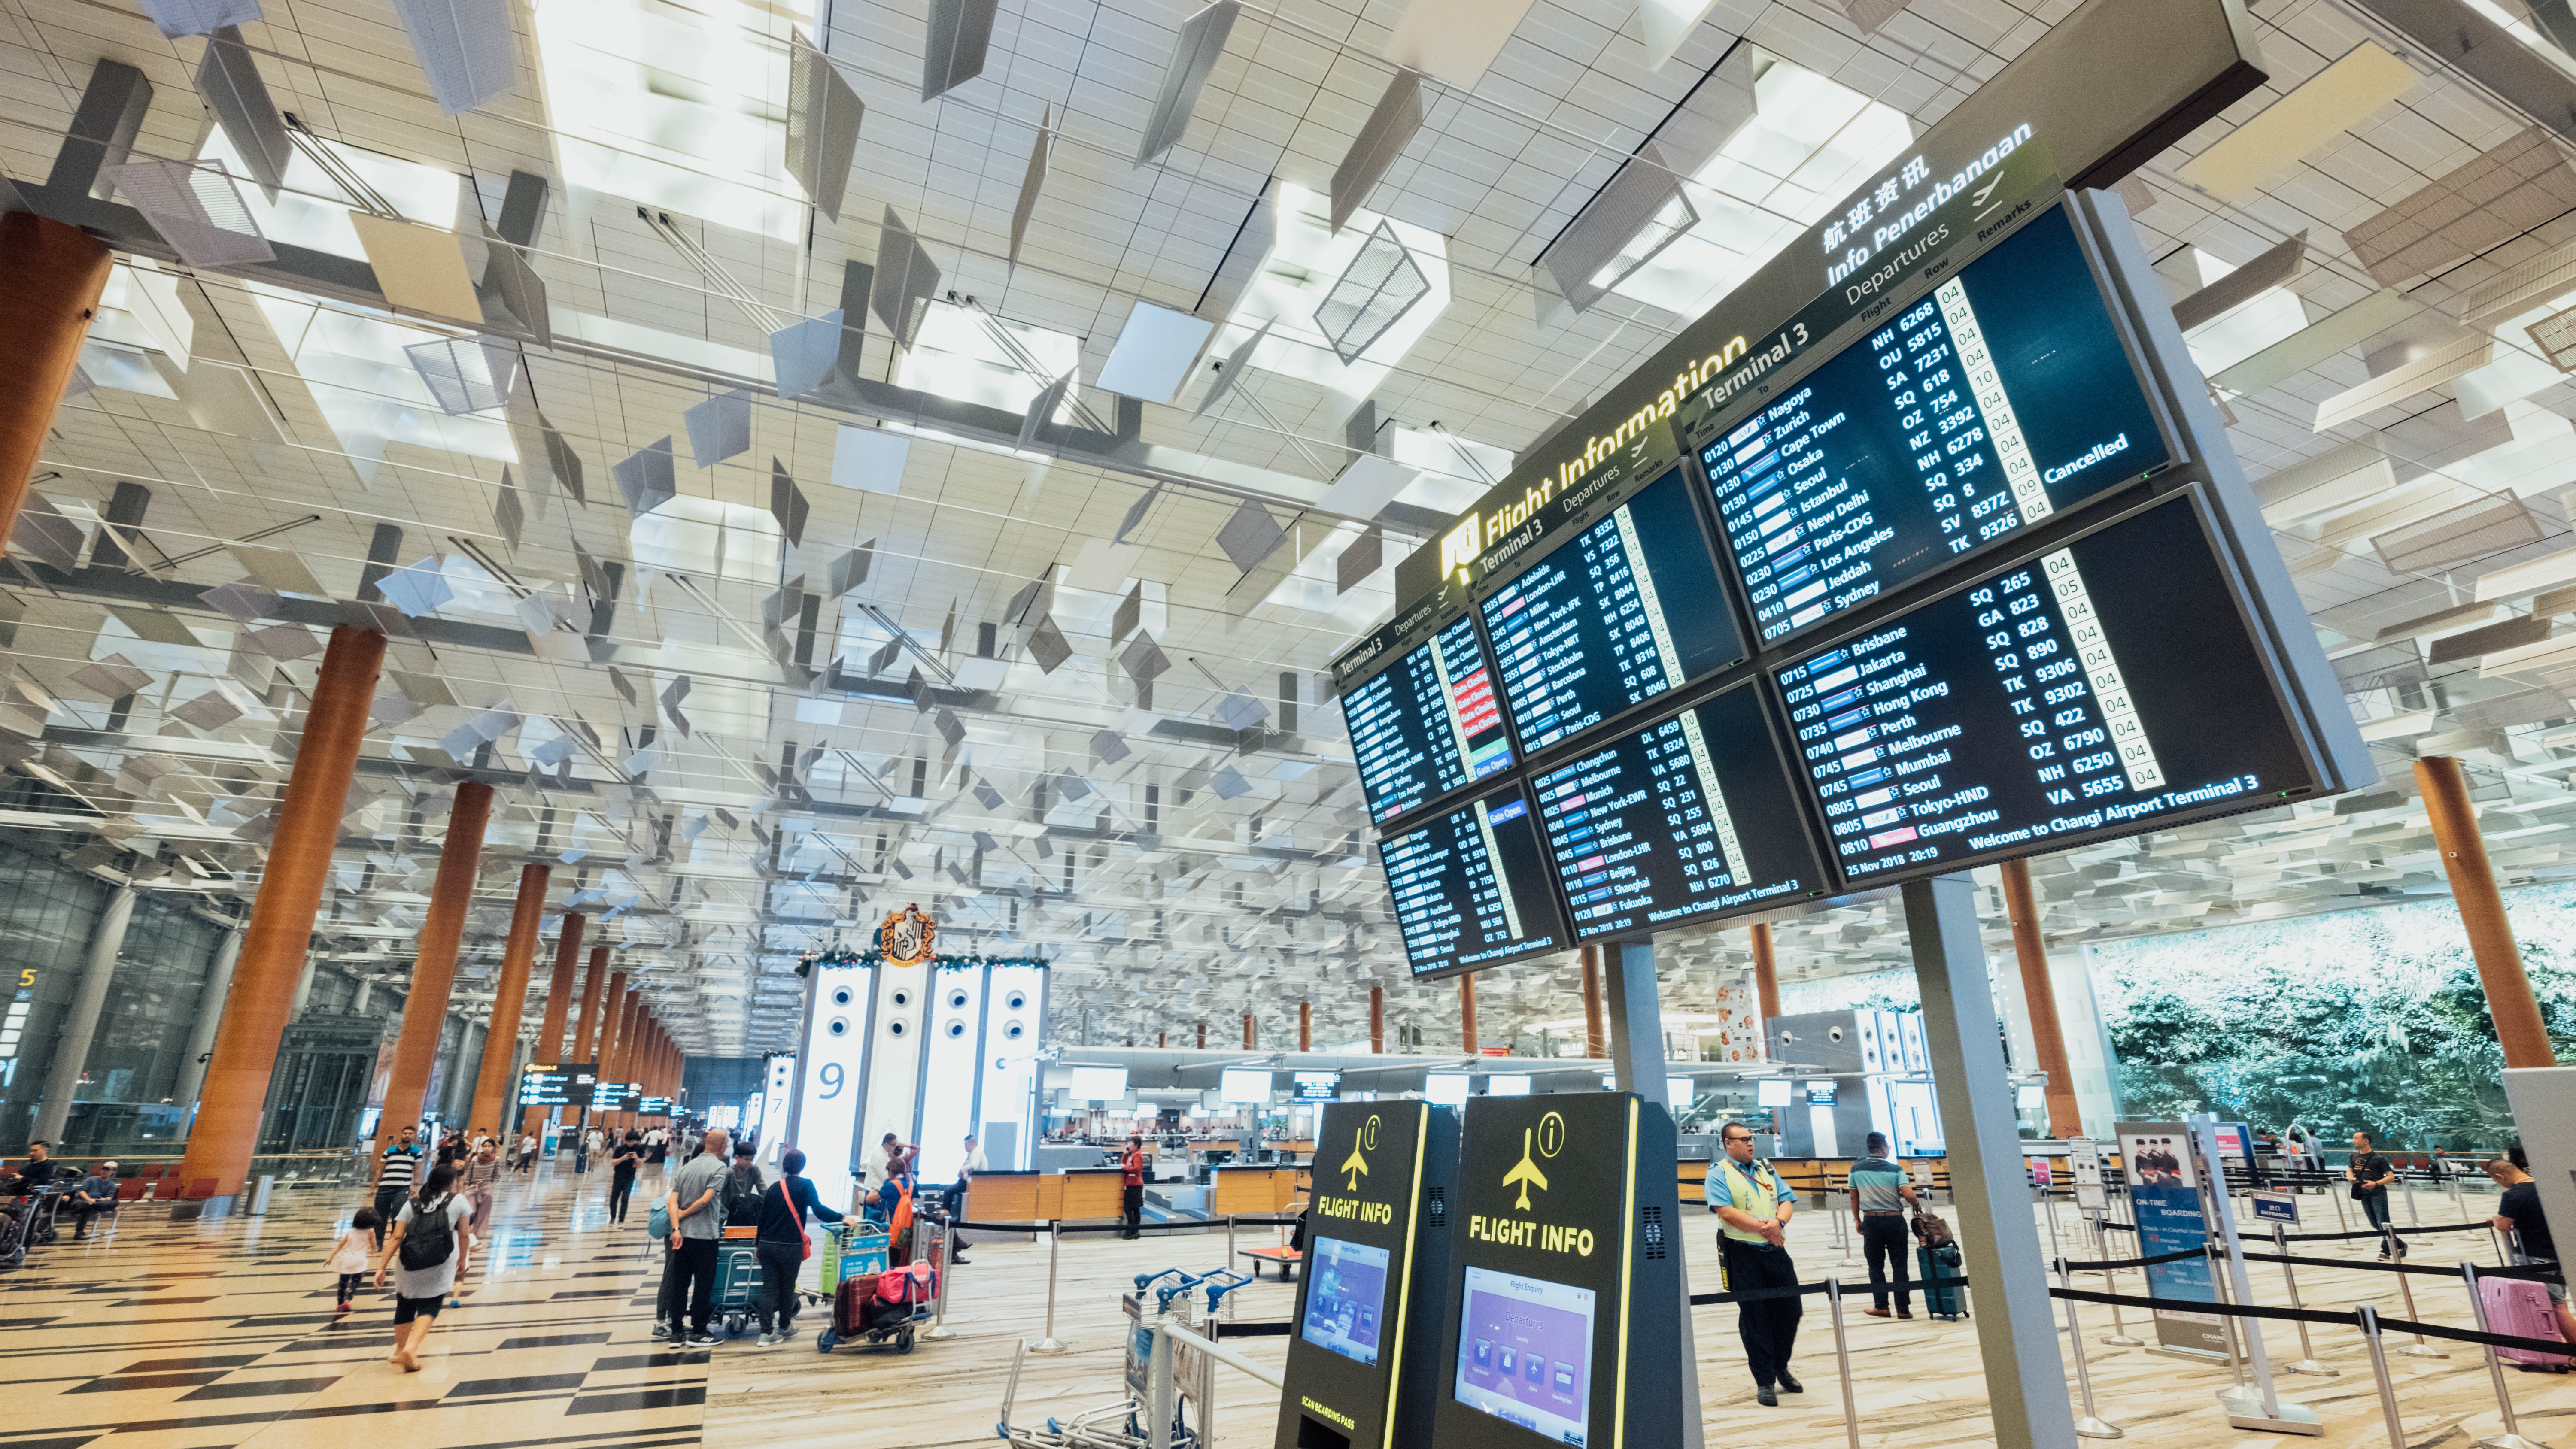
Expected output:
(738, 1280)
(858, 1311)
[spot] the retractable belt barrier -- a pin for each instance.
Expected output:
(1195, 1225)
(2371, 1233)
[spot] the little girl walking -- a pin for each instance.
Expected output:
(349, 1258)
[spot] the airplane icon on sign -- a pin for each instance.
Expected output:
(1526, 1173)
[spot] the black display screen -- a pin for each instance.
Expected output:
(1427, 725)
(557, 1084)
(1685, 820)
(1470, 887)
(2101, 689)
(1626, 610)
(2001, 397)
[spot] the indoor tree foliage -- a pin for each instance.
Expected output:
(2370, 1020)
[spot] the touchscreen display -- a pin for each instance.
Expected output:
(1525, 1353)
(1345, 1298)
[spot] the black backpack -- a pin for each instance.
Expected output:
(742, 1195)
(429, 1239)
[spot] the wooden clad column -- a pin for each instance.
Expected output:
(1377, 1019)
(2039, 995)
(51, 277)
(1766, 984)
(612, 1031)
(510, 997)
(586, 1038)
(549, 1046)
(2519, 1027)
(290, 890)
(1596, 1023)
(1467, 1010)
(1305, 1026)
(1250, 1037)
(433, 971)
(1203, 1036)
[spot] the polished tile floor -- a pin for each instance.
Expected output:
(162, 1335)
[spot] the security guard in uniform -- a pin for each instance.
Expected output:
(1754, 1207)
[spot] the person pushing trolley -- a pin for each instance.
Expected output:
(1754, 1208)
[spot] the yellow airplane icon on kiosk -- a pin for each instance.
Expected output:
(1526, 1173)
(1355, 1165)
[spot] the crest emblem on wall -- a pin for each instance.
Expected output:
(904, 939)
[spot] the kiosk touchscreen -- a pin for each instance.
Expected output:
(1363, 1370)
(1565, 1292)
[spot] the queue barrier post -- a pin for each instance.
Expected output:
(1050, 1344)
(939, 1312)
(2379, 1372)
(2511, 1438)
(2119, 1336)
(2307, 1363)
(2406, 1181)
(2092, 1425)
(1842, 1361)
(2406, 1289)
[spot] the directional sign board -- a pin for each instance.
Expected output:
(1565, 1290)
(557, 1084)
(1361, 1365)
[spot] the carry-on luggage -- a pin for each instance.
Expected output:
(2520, 1308)
(737, 1284)
(861, 1314)
(912, 1285)
(1940, 1262)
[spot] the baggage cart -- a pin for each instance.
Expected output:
(737, 1285)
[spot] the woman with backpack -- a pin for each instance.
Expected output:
(427, 1251)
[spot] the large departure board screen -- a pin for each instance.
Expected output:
(1626, 610)
(2103, 688)
(2003, 396)
(1431, 722)
(1686, 820)
(1470, 888)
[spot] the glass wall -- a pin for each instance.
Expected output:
(48, 915)
(124, 1102)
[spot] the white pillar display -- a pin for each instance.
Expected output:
(823, 1112)
(80, 1023)
(948, 1077)
(210, 1014)
(1006, 1102)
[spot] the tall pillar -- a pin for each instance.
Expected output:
(1596, 1024)
(1305, 1026)
(1636, 1020)
(51, 278)
(1251, 1037)
(586, 1037)
(1990, 1188)
(2039, 996)
(510, 996)
(2519, 1028)
(1766, 984)
(433, 972)
(1467, 1011)
(1203, 1036)
(281, 918)
(80, 1024)
(1377, 1020)
(619, 1030)
(550, 1036)
(210, 1012)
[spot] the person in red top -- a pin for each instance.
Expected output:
(1133, 1165)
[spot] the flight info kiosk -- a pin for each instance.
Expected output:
(1564, 1289)
(1361, 1374)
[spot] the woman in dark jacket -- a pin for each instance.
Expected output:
(782, 1244)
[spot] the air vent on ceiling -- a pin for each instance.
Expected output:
(1381, 284)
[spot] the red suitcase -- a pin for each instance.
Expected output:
(2520, 1308)
(854, 1305)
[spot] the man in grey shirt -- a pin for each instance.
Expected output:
(697, 1221)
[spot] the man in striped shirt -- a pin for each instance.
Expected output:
(1879, 1198)
(395, 1172)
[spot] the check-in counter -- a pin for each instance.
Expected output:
(1253, 1190)
(1098, 1192)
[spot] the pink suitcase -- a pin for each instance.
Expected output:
(2521, 1308)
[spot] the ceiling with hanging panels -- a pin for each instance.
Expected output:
(736, 747)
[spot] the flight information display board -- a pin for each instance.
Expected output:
(1428, 724)
(1470, 887)
(1981, 409)
(2103, 688)
(1687, 819)
(1626, 610)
